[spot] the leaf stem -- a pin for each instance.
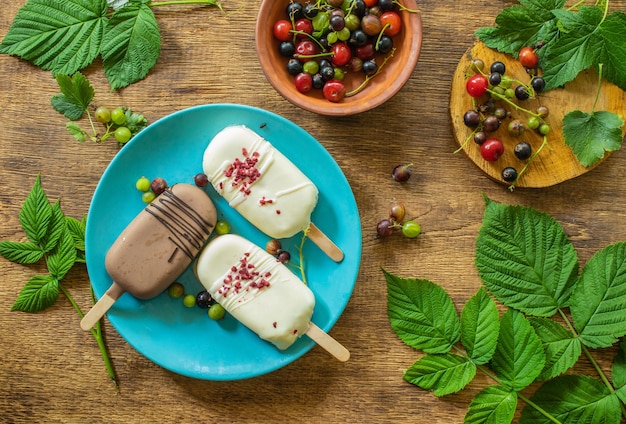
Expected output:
(593, 108)
(97, 334)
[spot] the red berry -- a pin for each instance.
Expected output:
(201, 179)
(341, 54)
(366, 51)
(528, 57)
(306, 48)
(334, 90)
(282, 30)
(304, 25)
(477, 85)
(303, 82)
(491, 149)
(391, 22)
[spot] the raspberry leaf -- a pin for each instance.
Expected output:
(519, 356)
(573, 399)
(131, 45)
(562, 348)
(618, 371)
(522, 25)
(493, 404)
(63, 257)
(61, 36)
(590, 135)
(21, 252)
(38, 293)
(442, 373)
(36, 213)
(599, 296)
(525, 259)
(479, 327)
(55, 228)
(76, 95)
(422, 314)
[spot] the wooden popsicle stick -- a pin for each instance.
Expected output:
(101, 307)
(324, 243)
(327, 343)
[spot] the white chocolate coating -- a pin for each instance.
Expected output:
(260, 182)
(256, 289)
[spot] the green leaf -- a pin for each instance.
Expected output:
(76, 95)
(38, 293)
(36, 213)
(618, 370)
(131, 45)
(492, 405)
(562, 349)
(135, 122)
(63, 257)
(525, 259)
(77, 230)
(55, 228)
(76, 131)
(61, 36)
(442, 373)
(590, 135)
(522, 25)
(599, 297)
(21, 253)
(612, 56)
(519, 356)
(422, 314)
(479, 327)
(573, 399)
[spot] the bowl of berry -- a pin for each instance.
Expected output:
(338, 57)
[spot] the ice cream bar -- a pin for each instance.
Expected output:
(263, 185)
(157, 246)
(261, 293)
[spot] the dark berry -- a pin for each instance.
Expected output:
(284, 256)
(480, 137)
(402, 173)
(385, 44)
(158, 186)
(491, 124)
(318, 81)
(500, 113)
(204, 299)
(358, 38)
(310, 11)
(498, 67)
(516, 128)
(295, 10)
(327, 72)
(201, 179)
(386, 4)
(521, 93)
(538, 84)
(369, 67)
(287, 49)
(384, 228)
(509, 174)
(495, 78)
(471, 119)
(294, 66)
(522, 150)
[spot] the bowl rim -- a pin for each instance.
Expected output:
(340, 108)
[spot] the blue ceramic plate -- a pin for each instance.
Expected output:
(184, 340)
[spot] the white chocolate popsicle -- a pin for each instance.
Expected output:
(156, 247)
(261, 293)
(264, 186)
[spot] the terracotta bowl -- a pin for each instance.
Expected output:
(382, 87)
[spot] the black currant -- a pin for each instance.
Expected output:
(386, 4)
(538, 84)
(522, 150)
(204, 299)
(491, 124)
(295, 10)
(294, 66)
(358, 38)
(369, 67)
(500, 113)
(310, 11)
(509, 174)
(480, 137)
(327, 72)
(521, 93)
(471, 119)
(495, 78)
(384, 45)
(498, 67)
(287, 49)
(318, 81)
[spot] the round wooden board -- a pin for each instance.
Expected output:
(555, 163)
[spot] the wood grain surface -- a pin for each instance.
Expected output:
(52, 371)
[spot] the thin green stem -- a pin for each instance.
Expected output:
(369, 77)
(512, 104)
(96, 333)
(530, 160)
(600, 65)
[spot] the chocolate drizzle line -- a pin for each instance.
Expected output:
(188, 229)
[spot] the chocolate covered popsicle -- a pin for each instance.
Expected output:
(156, 247)
(264, 186)
(261, 293)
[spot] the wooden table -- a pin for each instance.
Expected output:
(52, 371)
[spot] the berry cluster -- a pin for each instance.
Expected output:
(397, 211)
(327, 39)
(493, 93)
(274, 248)
(119, 122)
